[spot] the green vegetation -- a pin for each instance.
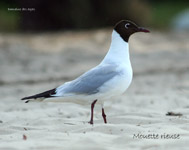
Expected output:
(9, 20)
(157, 14)
(163, 12)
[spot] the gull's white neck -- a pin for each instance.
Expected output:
(118, 52)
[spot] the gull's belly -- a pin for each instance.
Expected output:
(116, 86)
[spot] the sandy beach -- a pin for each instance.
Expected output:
(33, 63)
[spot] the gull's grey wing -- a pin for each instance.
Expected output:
(89, 82)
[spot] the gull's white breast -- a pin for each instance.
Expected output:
(117, 85)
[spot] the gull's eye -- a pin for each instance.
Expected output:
(127, 25)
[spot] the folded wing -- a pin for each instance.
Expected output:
(88, 83)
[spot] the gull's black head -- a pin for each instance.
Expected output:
(126, 28)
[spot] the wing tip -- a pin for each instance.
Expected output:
(24, 98)
(42, 95)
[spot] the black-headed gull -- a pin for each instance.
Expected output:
(109, 79)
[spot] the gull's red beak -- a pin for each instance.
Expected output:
(141, 29)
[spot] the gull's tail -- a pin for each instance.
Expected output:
(40, 96)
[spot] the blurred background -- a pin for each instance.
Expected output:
(48, 15)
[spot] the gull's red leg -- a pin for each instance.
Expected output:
(104, 115)
(92, 110)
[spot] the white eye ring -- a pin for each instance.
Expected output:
(127, 25)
